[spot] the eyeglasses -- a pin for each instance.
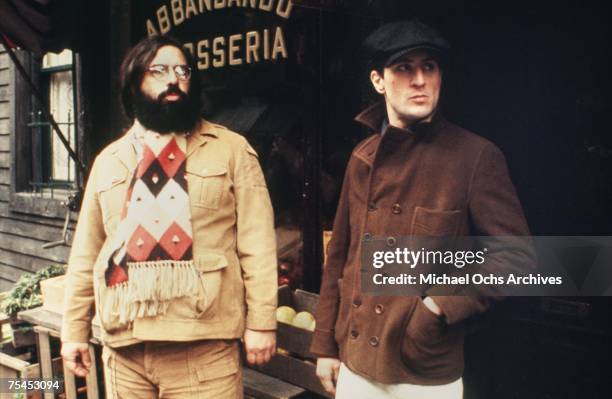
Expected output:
(160, 72)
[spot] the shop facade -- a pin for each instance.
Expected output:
(288, 76)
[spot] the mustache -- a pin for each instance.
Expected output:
(172, 90)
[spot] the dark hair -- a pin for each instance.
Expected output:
(136, 62)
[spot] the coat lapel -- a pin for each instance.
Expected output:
(126, 152)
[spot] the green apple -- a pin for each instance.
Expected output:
(303, 320)
(285, 314)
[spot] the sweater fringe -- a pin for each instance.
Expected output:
(150, 288)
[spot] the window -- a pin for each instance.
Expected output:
(43, 172)
(52, 167)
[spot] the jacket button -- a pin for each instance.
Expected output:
(391, 241)
(379, 309)
(357, 303)
(354, 334)
(396, 209)
(373, 341)
(367, 237)
(371, 206)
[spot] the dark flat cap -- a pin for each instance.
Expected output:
(391, 41)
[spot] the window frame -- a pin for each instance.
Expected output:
(22, 198)
(45, 75)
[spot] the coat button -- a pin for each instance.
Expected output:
(396, 209)
(357, 303)
(379, 309)
(367, 237)
(391, 241)
(354, 334)
(371, 206)
(373, 341)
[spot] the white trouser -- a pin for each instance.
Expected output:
(354, 386)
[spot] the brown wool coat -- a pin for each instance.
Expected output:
(438, 180)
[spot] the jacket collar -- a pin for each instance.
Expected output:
(373, 117)
(125, 151)
(204, 132)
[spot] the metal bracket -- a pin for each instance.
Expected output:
(73, 204)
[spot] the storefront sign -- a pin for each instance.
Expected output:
(227, 49)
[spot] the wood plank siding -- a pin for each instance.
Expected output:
(21, 235)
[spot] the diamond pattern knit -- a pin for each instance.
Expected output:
(153, 241)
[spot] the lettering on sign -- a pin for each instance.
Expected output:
(241, 48)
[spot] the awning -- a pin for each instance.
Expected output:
(41, 25)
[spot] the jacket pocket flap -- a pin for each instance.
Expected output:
(219, 369)
(210, 261)
(434, 221)
(110, 183)
(207, 171)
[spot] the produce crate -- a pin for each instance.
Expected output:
(23, 335)
(13, 365)
(4, 325)
(52, 290)
(298, 367)
(20, 333)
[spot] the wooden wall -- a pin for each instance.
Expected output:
(21, 235)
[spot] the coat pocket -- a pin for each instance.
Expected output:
(203, 304)
(205, 185)
(212, 271)
(429, 346)
(213, 278)
(112, 195)
(431, 222)
(108, 317)
(213, 359)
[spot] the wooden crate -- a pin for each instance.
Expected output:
(23, 335)
(17, 366)
(4, 320)
(13, 367)
(297, 368)
(53, 293)
(48, 367)
(292, 339)
(260, 386)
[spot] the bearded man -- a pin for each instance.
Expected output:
(174, 244)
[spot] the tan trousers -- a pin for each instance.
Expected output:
(353, 386)
(200, 369)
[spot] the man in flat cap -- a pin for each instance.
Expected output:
(416, 175)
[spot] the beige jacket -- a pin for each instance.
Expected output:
(234, 245)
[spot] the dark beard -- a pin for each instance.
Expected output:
(162, 116)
